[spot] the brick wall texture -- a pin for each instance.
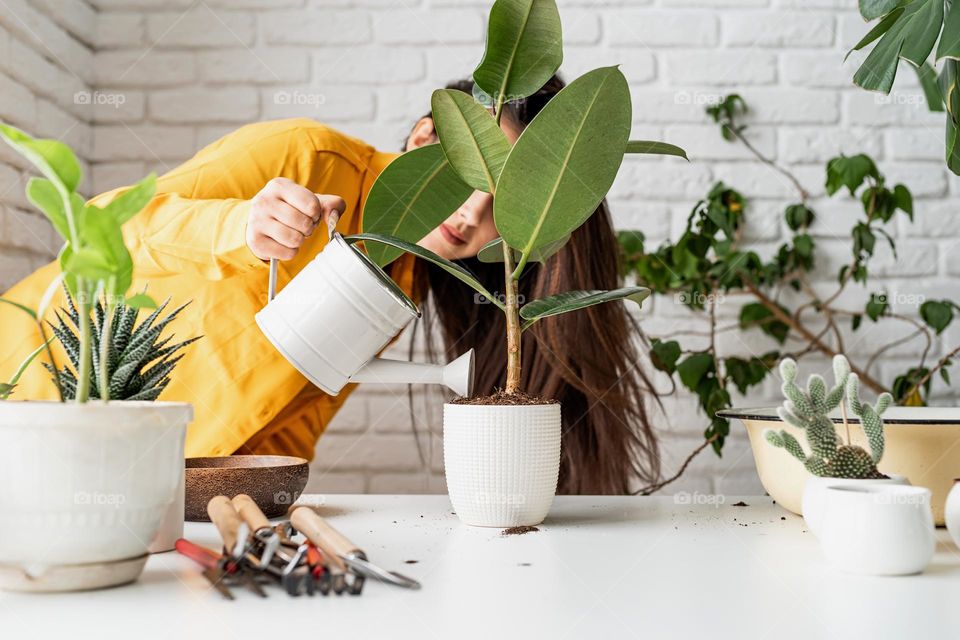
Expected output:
(139, 85)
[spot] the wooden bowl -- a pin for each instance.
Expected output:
(274, 482)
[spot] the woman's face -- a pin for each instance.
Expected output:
(464, 233)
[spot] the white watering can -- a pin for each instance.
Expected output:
(332, 319)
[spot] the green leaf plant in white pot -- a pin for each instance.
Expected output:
(85, 483)
(502, 452)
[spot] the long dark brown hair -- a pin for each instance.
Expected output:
(586, 360)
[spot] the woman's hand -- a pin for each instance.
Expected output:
(284, 214)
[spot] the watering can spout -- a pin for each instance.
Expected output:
(456, 376)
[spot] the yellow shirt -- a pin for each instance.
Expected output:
(189, 244)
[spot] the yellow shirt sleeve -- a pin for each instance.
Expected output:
(196, 224)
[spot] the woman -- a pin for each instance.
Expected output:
(261, 193)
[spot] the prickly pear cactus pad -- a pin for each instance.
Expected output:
(808, 411)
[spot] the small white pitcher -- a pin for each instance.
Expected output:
(332, 319)
(879, 530)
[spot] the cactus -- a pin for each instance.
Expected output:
(808, 411)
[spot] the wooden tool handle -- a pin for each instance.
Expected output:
(250, 512)
(319, 532)
(226, 519)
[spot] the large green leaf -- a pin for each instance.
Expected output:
(101, 234)
(401, 245)
(471, 139)
(951, 97)
(949, 46)
(872, 9)
(656, 148)
(52, 158)
(564, 162)
(573, 300)
(931, 91)
(131, 201)
(911, 37)
(492, 252)
(878, 30)
(44, 195)
(414, 194)
(524, 48)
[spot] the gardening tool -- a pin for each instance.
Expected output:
(339, 312)
(343, 555)
(235, 533)
(273, 554)
(210, 560)
(263, 533)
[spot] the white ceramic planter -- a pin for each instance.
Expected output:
(814, 494)
(878, 530)
(952, 513)
(85, 485)
(502, 462)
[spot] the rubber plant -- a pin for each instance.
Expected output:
(909, 30)
(95, 263)
(545, 186)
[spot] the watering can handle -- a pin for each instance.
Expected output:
(332, 221)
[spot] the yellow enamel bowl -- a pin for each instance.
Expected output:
(922, 443)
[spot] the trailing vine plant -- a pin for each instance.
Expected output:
(709, 260)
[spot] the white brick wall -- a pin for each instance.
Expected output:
(172, 75)
(46, 68)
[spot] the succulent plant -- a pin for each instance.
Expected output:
(139, 360)
(808, 410)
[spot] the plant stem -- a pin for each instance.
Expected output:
(803, 193)
(645, 491)
(814, 340)
(512, 312)
(105, 332)
(83, 373)
(942, 363)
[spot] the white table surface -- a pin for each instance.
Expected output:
(601, 567)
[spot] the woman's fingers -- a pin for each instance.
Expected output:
(331, 208)
(289, 216)
(284, 214)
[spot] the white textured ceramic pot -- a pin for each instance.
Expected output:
(85, 485)
(878, 530)
(502, 462)
(814, 494)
